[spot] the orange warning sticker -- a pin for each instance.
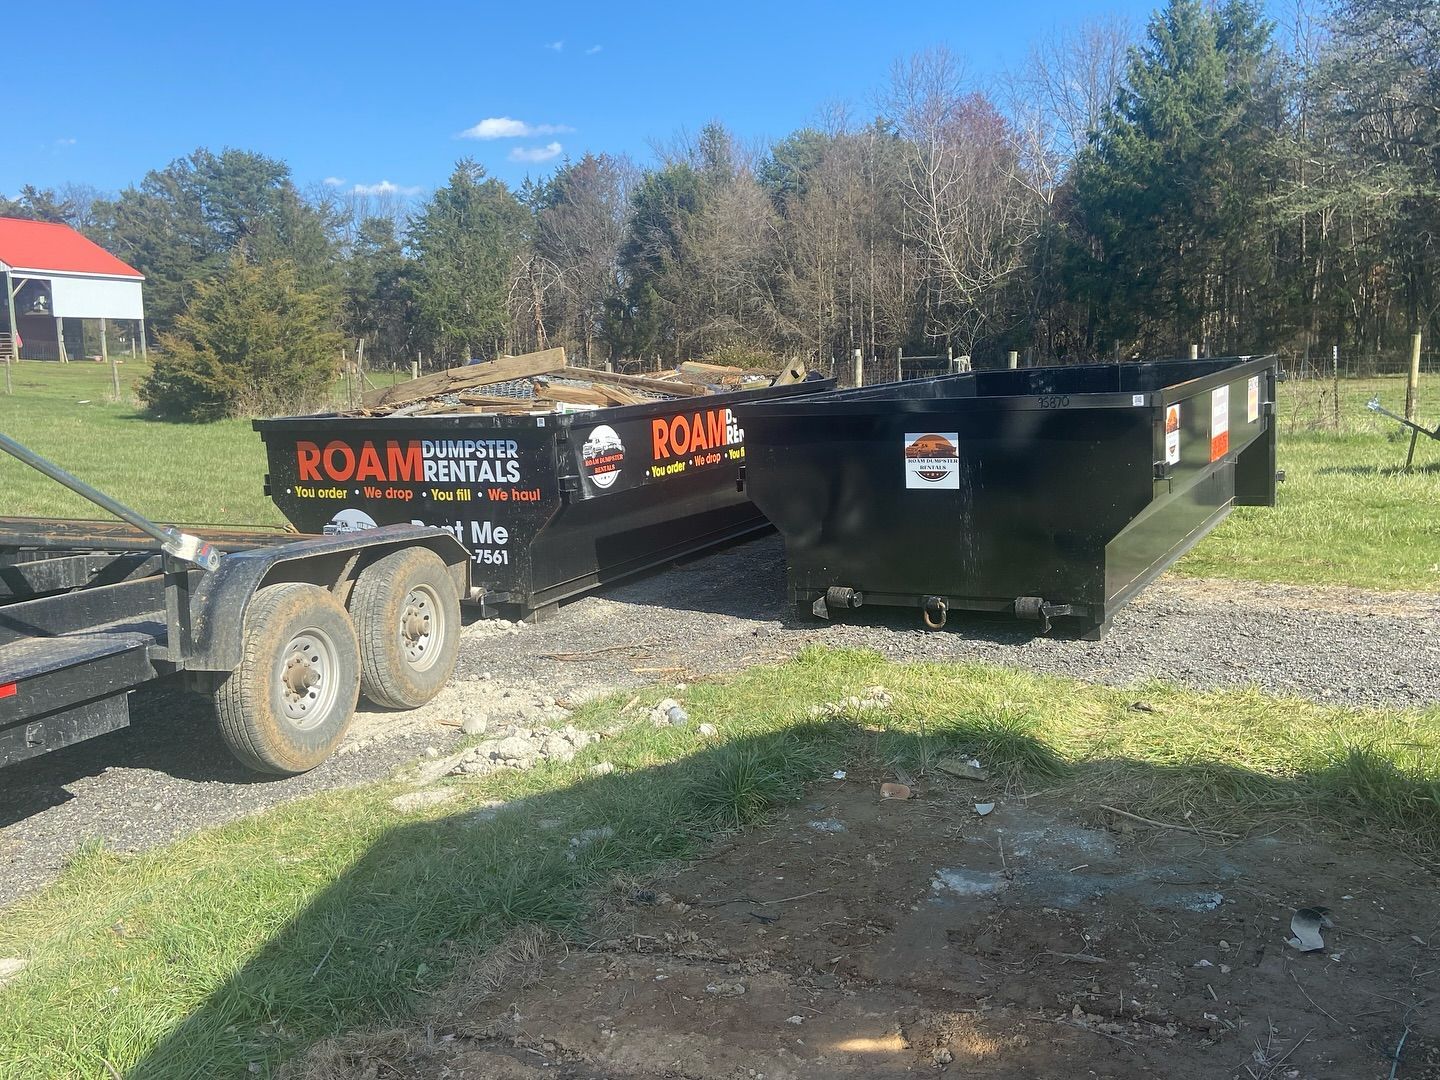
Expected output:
(1172, 435)
(1219, 422)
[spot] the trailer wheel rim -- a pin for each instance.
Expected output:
(422, 627)
(307, 678)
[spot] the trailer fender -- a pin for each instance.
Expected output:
(222, 598)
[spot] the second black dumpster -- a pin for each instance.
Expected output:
(549, 504)
(1051, 493)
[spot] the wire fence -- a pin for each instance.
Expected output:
(1330, 396)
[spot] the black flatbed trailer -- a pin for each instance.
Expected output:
(283, 631)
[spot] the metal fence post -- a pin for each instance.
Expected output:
(859, 368)
(1014, 359)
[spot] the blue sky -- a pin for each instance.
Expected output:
(367, 92)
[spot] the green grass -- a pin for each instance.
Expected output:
(210, 473)
(244, 944)
(1347, 514)
(175, 473)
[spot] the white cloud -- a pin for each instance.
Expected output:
(66, 142)
(556, 46)
(593, 49)
(503, 127)
(334, 181)
(384, 187)
(536, 153)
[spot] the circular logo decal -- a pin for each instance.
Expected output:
(602, 455)
(349, 521)
(932, 458)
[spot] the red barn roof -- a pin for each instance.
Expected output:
(41, 246)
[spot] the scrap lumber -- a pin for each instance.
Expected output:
(635, 382)
(451, 380)
(575, 395)
(794, 372)
(723, 373)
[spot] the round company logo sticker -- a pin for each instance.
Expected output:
(602, 455)
(932, 459)
(349, 521)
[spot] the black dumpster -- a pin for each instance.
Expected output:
(1050, 493)
(549, 504)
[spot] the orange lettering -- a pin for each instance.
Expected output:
(369, 464)
(697, 433)
(658, 435)
(338, 472)
(680, 435)
(404, 464)
(307, 457)
(716, 424)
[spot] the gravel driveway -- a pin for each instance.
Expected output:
(168, 774)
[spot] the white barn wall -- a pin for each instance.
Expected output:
(80, 297)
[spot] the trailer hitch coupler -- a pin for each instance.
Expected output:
(837, 596)
(935, 610)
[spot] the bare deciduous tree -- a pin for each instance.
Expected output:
(971, 208)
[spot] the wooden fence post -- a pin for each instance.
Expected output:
(1014, 359)
(859, 368)
(105, 355)
(1412, 384)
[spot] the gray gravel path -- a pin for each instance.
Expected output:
(168, 774)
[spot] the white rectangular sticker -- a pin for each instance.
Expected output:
(1252, 400)
(1219, 422)
(1137, 399)
(932, 459)
(1172, 435)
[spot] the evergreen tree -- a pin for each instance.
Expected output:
(252, 341)
(467, 240)
(1170, 242)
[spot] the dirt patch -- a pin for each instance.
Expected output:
(1331, 599)
(867, 938)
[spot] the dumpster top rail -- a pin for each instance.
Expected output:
(1123, 385)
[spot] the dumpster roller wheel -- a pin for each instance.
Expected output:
(407, 617)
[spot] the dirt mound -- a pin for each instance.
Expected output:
(869, 938)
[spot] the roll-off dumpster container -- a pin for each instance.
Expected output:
(1050, 493)
(549, 504)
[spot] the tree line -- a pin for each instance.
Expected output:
(1214, 178)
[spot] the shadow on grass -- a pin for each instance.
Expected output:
(1424, 469)
(430, 894)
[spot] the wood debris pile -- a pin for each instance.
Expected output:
(543, 382)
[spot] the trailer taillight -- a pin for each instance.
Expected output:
(9, 689)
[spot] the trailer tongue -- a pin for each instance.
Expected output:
(283, 632)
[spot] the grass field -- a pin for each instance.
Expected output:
(208, 473)
(229, 951)
(1347, 515)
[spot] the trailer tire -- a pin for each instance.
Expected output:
(289, 702)
(407, 616)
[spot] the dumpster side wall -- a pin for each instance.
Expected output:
(493, 487)
(1074, 485)
(1032, 500)
(548, 504)
(1215, 448)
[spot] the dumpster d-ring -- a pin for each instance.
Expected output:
(935, 610)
